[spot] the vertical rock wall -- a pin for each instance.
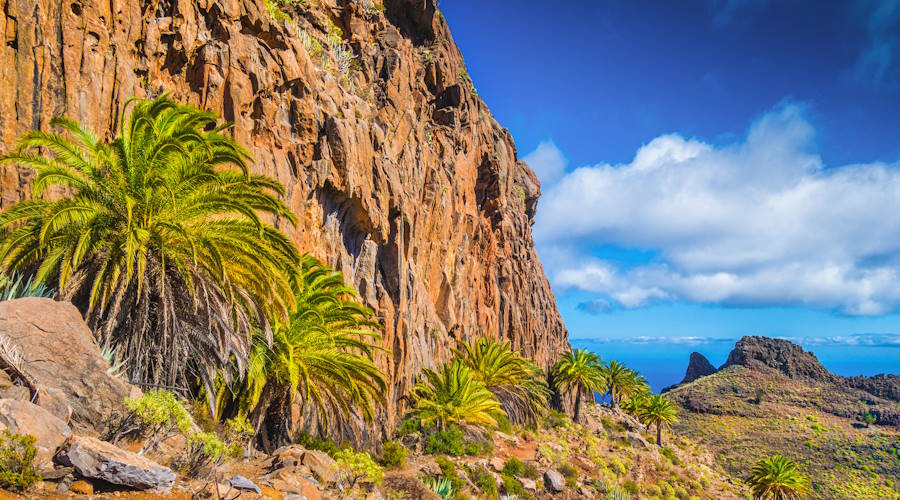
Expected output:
(398, 172)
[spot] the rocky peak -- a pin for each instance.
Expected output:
(778, 354)
(698, 366)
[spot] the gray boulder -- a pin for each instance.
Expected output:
(554, 481)
(95, 459)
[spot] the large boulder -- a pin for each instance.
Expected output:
(22, 417)
(62, 360)
(99, 460)
(554, 481)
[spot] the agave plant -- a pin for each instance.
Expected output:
(579, 370)
(454, 395)
(440, 486)
(158, 237)
(777, 478)
(515, 381)
(322, 355)
(617, 494)
(16, 287)
(656, 410)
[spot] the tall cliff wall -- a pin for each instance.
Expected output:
(397, 170)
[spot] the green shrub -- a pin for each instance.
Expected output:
(448, 470)
(617, 466)
(512, 486)
(159, 409)
(17, 469)
(665, 488)
(409, 425)
(157, 415)
(531, 471)
(570, 473)
(557, 420)
(670, 454)
(514, 467)
(452, 441)
(238, 433)
(355, 465)
(631, 487)
(202, 448)
(317, 443)
(484, 480)
(393, 454)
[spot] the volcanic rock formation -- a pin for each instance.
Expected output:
(396, 169)
(698, 366)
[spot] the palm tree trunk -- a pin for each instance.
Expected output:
(578, 404)
(659, 433)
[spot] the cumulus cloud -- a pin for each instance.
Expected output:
(547, 161)
(761, 221)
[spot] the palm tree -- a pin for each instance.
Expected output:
(454, 396)
(157, 236)
(579, 370)
(622, 382)
(323, 355)
(657, 410)
(777, 478)
(518, 383)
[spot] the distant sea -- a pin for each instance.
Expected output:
(663, 361)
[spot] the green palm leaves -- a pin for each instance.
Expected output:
(515, 381)
(454, 396)
(777, 478)
(622, 382)
(323, 354)
(157, 236)
(657, 410)
(579, 370)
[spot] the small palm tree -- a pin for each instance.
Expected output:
(777, 478)
(622, 382)
(659, 411)
(579, 370)
(518, 383)
(156, 236)
(323, 355)
(454, 396)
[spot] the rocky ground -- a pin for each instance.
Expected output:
(56, 386)
(772, 397)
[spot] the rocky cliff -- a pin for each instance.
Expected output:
(397, 170)
(698, 366)
(782, 355)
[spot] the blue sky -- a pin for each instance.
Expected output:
(709, 169)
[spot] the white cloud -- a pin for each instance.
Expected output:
(547, 161)
(757, 222)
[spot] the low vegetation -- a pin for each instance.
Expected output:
(17, 469)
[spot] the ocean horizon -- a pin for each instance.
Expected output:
(663, 361)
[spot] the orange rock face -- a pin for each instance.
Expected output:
(398, 172)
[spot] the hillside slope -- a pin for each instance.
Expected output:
(772, 397)
(398, 172)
